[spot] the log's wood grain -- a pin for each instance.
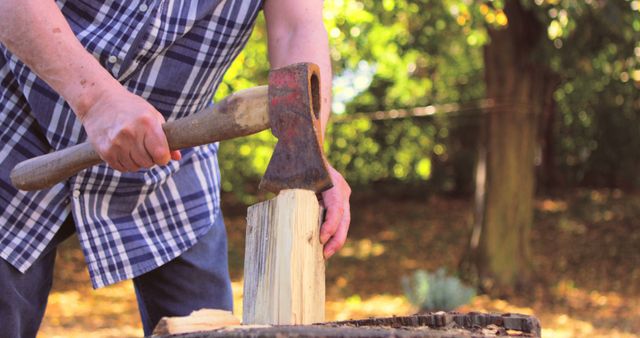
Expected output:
(242, 113)
(284, 267)
(201, 320)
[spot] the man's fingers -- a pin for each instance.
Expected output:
(136, 161)
(139, 154)
(340, 236)
(156, 144)
(173, 154)
(126, 161)
(334, 231)
(115, 158)
(330, 225)
(119, 166)
(115, 164)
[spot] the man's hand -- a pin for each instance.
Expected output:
(126, 131)
(334, 230)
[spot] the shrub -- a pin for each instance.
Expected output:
(436, 291)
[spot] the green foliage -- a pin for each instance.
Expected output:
(372, 151)
(436, 291)
(419, 51)
(243, 161)
(394, 54)
(598, 102)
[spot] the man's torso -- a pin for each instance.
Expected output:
(173, 54)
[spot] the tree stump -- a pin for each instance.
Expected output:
(431, 325)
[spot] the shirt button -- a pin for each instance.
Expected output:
(76, 193)
(112, 59)
(143, 8)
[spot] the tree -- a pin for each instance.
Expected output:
(522, 77)
(518, 85)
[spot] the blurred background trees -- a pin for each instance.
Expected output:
(498, 98)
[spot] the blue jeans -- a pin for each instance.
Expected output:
(199, 278)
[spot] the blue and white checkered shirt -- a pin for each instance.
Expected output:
(173, 53)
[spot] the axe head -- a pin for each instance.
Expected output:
(298, 161)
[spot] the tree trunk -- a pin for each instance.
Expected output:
(516, 84)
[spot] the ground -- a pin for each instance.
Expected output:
(585, 246)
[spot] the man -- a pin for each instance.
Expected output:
(112, 72)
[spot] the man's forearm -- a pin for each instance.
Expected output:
(303, 41)
(38, 34)
(298, 48)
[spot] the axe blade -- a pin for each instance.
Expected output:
(298, 160)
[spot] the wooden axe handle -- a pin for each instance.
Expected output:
(240, 114)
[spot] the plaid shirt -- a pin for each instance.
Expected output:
(173, 53)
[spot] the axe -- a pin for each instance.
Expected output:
(290, 105)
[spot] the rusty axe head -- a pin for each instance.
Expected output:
(294, 110)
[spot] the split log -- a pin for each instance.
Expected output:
(201, 320)
(284, 266)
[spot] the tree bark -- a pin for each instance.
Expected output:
(516, 84)
(429, 325)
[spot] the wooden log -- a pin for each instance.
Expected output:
(284, 266)
(201, 320)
